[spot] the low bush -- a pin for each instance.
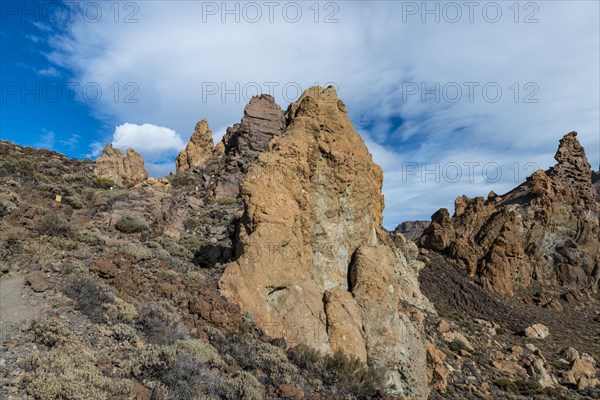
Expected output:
(560, 365)
(131, 224)
(347, 374)
(6, 207)
(160, 323)
(103, 183)
(92, 299)
(351, 373)
(524, 387)
(54, 225)
(69, 372)
(182, 179)
(457, 345)
(50, 332)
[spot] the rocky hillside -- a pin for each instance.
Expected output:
(543, 233)
(261, 271)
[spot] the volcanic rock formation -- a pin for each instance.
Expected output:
(412, 230)
(545, 231)
(314, 264)
(198, 150)
(263, 119)
(125, 169)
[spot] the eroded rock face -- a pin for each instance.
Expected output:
(314, 265)
(596, 183)
(544, 231)
(412, 230)
(198, 150)
(125, 169)
(263, 119)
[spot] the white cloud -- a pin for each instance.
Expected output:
(151, 141)
(49, 72)
(174, 56)
(158, 145)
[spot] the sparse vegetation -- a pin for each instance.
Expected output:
(160, 324)
(69, 372)
(457, 345)
(182, 179)
(54, 225)
(131, 224)
(103, 183)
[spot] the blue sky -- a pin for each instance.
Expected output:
(451, 99)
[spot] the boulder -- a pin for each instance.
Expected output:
(537, 331)
(38, 281)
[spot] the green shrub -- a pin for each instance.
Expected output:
(92, 299)
(18, 169)
(175, 249)
(6, 207)
(103, 183)
(69, 372)
(119, 311)
(457, 345)
(226, 201)
(54, 225)
(506, 384)
(524, 387)
(50, 332)
(560, 365)
(75, 201)
(202, 351)
(131, 224)
(160, 323)
(528, 388)
(182, 179)
(349, 371)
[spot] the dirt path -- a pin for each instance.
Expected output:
(16, 305)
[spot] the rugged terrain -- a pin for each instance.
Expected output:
(261, 271)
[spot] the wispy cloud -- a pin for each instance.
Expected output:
(373, 54)
(47, 140)
(50, 72)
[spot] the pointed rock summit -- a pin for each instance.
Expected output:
(125, 169)
(263, 120)
(314, 264)
(198, 150)
(545, 231)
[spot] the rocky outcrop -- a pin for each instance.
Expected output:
(546, 231)
(125, 169)
(412, 230)
(263, 119)
(314, 264)
(198, 150)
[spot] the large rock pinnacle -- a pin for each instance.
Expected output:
(314, 264)
(198, 150)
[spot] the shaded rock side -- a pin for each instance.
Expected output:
(125, 169)
(545, 231)
(263, 119)
(596, 183)
(314, 264)
(199, 149)
(412, 230)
